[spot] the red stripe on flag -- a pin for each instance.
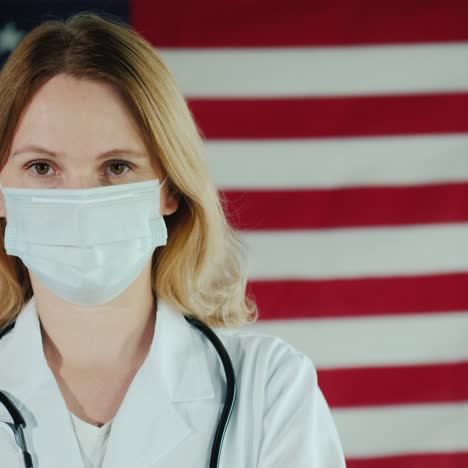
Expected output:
(346, 207)
(331, 116)
(268, 23)
(429, 460)
(395, 385)
(289, 299)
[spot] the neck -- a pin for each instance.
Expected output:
(97, 337)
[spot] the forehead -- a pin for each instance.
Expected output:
(69, 111)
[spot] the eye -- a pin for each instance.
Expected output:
(41, 168)
(129, 166)
(40, 164)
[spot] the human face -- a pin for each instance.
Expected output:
(79, 133)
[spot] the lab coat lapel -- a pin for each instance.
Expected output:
(149, 424)
(29, 382)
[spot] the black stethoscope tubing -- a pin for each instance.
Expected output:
(231, 389)
(19, 423)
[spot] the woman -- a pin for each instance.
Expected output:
(99, 266)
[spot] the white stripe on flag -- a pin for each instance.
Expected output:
(260, 72)
(353, 253)
(341, 162)
(406, 429)
(374, 341)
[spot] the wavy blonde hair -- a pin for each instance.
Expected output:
(202, 268)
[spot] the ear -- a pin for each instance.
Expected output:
(170, 202)
(2, 205)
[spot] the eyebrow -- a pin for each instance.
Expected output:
(106, 154)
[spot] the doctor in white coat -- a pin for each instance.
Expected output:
(99, 266)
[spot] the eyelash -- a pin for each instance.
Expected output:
(130, 167)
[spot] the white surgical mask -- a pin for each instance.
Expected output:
(86, 245)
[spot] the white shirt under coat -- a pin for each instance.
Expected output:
(169, 414)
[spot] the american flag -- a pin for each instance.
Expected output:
(336, 131)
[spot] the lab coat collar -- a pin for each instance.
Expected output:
(149, 423)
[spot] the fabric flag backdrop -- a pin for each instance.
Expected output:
(337, 132)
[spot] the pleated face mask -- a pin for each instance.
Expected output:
(86, 245)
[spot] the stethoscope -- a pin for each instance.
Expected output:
(19, 423)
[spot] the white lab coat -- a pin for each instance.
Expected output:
(169, 414)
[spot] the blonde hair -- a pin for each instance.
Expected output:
(202, 269)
